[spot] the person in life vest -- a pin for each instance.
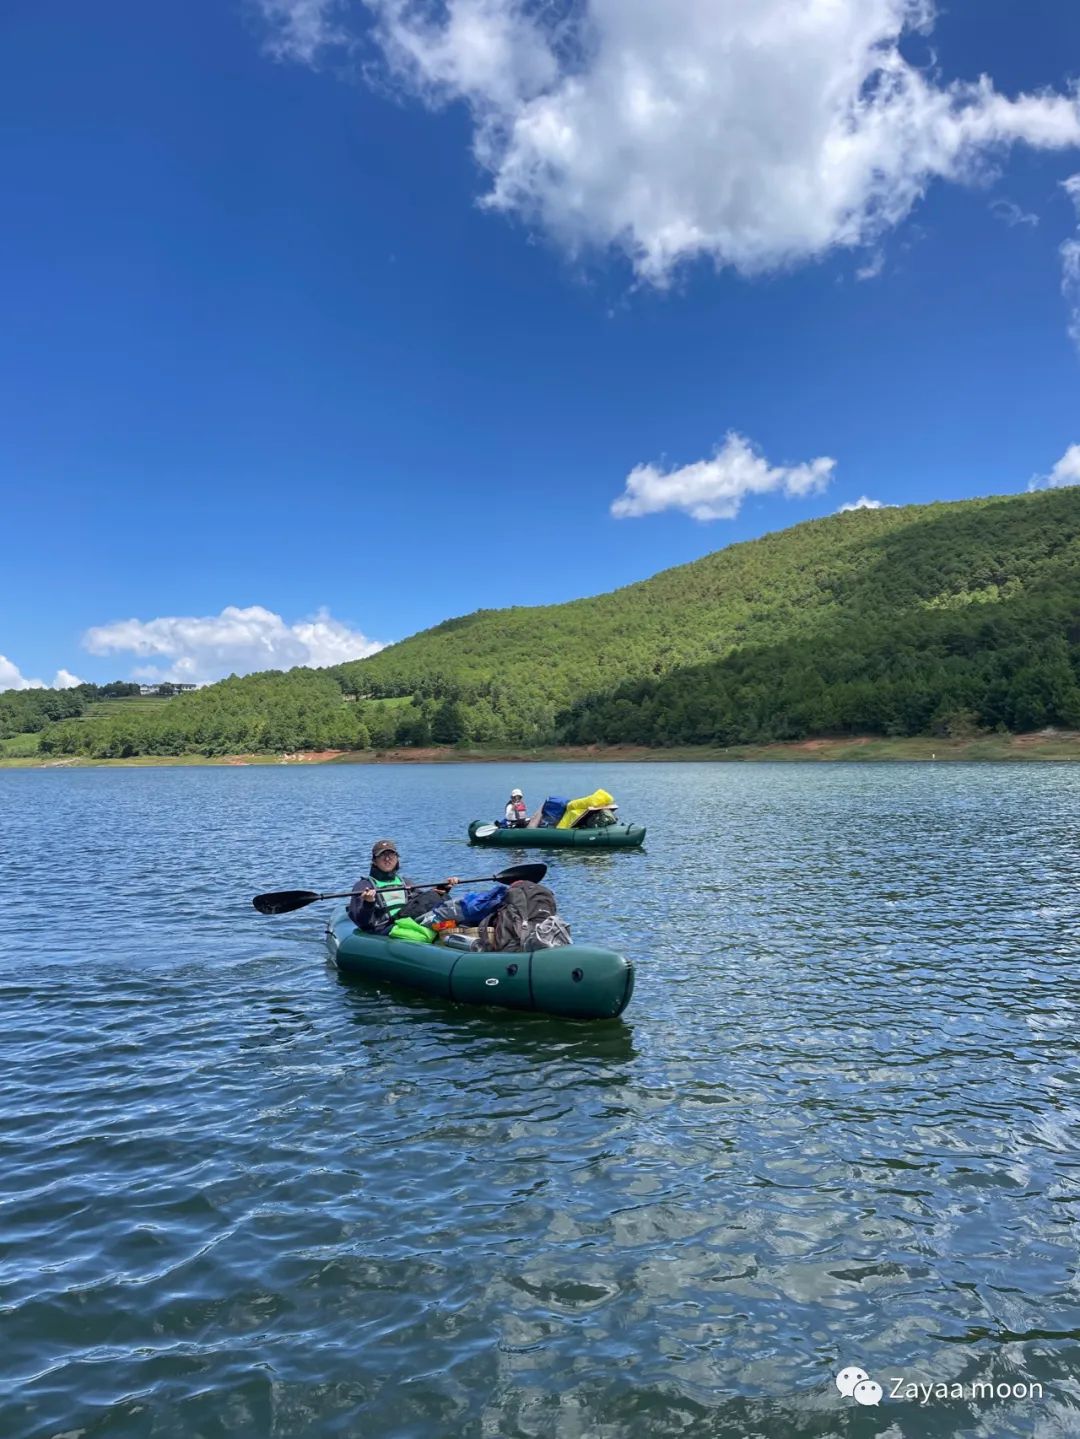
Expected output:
(517, 816)
(384, 895)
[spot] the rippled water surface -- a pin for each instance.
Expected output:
(838, 1125)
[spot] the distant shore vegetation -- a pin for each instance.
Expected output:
(949, 621)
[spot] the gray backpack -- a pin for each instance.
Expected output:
(526, 920)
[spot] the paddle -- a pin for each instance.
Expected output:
(284, 901)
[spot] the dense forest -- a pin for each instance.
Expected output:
(941, 619)
(270, 713)
(32, 710)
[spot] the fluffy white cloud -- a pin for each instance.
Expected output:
(862, 503)
(12, 678)
(237, 641)
(755, 134)
(1065, 472)
(715, 489)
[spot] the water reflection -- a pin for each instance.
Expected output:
(522, 1033)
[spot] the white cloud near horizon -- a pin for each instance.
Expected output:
(198, 650)
(755, 135)
(12, 678)
(714, 489)
(863, 503)
(1065, 472)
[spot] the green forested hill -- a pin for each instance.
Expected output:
(265, 713)
(940, 618)
(939, 600)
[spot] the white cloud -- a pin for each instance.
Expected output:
(754, 134)
(1011, 213)
(302, 29)
(237, 641)
(1070, 284)
(12, 678)
(863, 503)
(715, 489)
(1065, 472)
(1070, 264)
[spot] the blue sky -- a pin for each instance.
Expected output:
(326, 321)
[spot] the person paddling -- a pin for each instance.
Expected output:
(384, 895)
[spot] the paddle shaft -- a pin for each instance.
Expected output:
(440, 884)
(286, 900)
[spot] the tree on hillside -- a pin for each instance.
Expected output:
(413, 729)
(448, 724)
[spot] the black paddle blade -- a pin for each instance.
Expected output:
(534, 873)
(284, 901)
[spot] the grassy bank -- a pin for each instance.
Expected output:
(1044, 745)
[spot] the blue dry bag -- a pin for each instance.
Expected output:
(553, 811)
(475, 907)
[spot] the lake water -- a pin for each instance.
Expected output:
(839, 1124)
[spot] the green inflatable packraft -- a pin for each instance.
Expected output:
(577, 981)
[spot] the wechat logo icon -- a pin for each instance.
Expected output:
(855, 1383)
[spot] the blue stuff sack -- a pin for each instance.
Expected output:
(475, 907)
(553, 811)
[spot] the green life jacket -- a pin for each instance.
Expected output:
(392, 892)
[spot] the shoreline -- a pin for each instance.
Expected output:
(1044, 745)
